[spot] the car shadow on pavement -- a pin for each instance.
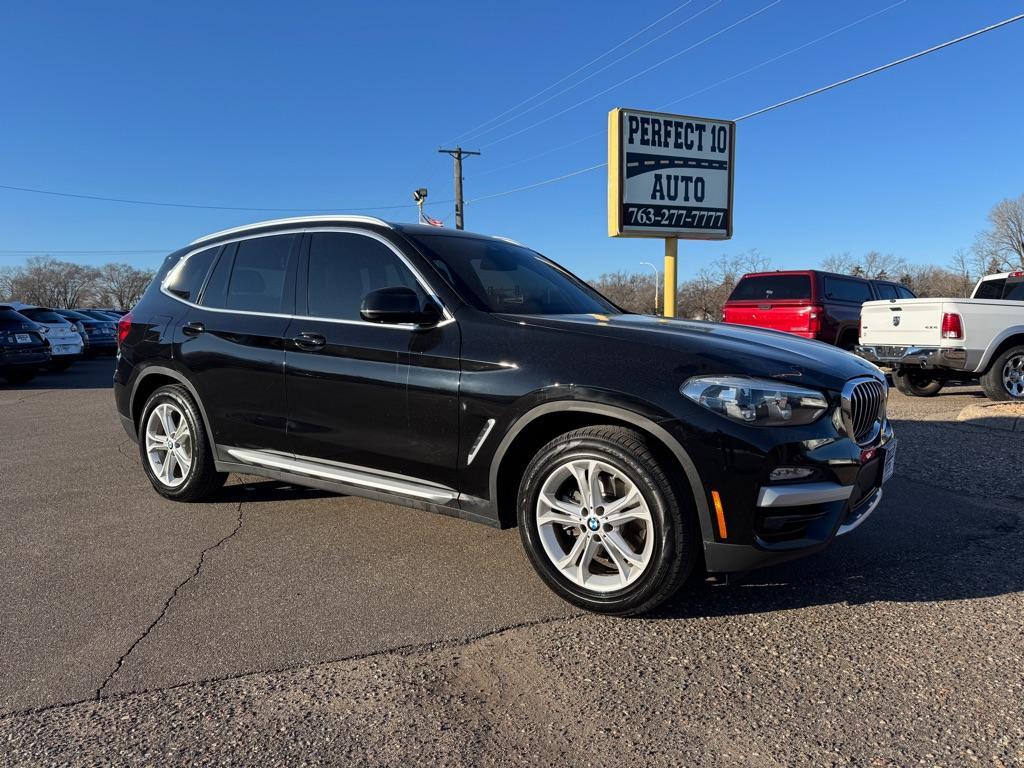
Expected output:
(90, 373)
(974, 557)
(255, 491)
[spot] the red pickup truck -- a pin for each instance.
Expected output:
(816, 305)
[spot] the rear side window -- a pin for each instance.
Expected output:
(886, 291)
(772, 287)
(186, 280)
(259, 273)
(845, 289)
(344, 267)
(990, 289)
(905, 293)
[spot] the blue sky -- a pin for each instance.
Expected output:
(343, 105)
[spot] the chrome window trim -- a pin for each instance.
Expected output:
(294, 220)
(448, 317)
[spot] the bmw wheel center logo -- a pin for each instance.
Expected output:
(593, 523)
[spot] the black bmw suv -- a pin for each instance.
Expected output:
(470, 375)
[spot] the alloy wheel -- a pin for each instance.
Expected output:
(168, 444)
(594, 525)
(1013, 376)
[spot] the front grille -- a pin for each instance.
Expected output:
(864, 409)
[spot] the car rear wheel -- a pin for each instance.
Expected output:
(1004, 380)
(603, 524)
(175, 451)
(917, 383)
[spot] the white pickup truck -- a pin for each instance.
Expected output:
(927, 342)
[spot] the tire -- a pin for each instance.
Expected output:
(19, 375)
(173, 405)
(1004, 379)
(657, 527)
(914, 383)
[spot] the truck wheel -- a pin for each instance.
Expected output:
(1004, 379)
(917, 383)
(603, 523)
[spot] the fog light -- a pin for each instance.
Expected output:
(790, 473)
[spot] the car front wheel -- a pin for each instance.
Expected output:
(603, 524)
(175, 451)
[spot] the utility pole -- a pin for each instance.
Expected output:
(458, 153)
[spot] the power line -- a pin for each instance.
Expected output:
(107, 251)
(705, 89)
(780, 104)
(573, 73)
(884, 67)
(641, 73)
(203, 207)
(596, 72)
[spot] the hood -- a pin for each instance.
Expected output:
(708, 348)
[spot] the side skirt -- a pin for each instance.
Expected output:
(468, 508)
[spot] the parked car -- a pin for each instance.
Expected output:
(66, 345)
(23, 349)
(118, 313)
(101, 316)
(101, 335)
(929, 342)
(808, 303)
(469, 375)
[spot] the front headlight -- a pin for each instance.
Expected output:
(760, 402)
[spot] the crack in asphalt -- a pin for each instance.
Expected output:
(167, 604)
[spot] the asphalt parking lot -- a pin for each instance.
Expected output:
(285, 626)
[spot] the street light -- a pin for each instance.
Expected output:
(656, 280)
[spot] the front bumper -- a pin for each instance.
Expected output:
(753, 520)
(918, 357)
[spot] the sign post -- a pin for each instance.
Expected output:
(669, 176)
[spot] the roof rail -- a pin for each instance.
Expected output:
(293, 220)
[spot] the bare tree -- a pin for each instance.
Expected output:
(633, 291)
(121, 285)
(1001, 247)
(51, 283)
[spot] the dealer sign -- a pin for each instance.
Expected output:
(669, 175)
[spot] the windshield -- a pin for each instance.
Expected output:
(498, 276)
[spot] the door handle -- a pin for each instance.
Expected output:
(309, 341)
(193, 329)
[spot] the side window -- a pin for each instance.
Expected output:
(843, 289)
(217, 286)
(885, 290)
(187, 277)
(905, 293)
(344, 267)
(259, 273)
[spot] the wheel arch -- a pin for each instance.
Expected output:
(150, 380)
(1011, 337)
(544, 422)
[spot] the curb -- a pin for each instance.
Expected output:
(1008, 417)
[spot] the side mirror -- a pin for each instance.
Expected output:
(398, 305)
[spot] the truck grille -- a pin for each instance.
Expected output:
(863, 409)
